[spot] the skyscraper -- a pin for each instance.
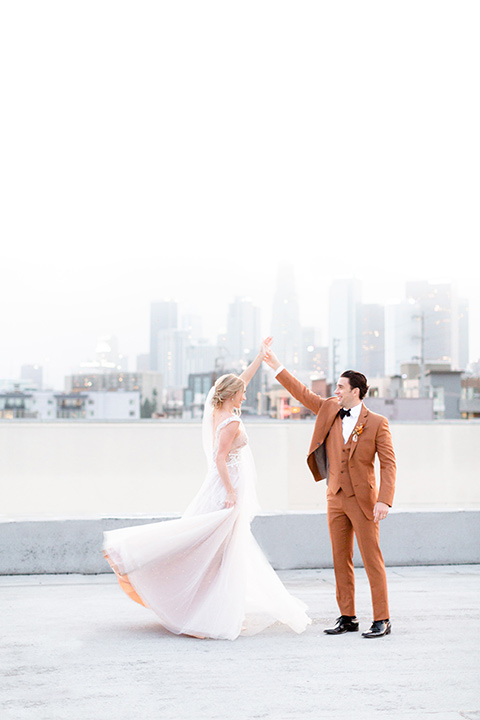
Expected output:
(286, 329)
(443, 318)
(402, 335)
(163, 316)
(193, 324)
(345, 296)
(172, 357)
(33, 374)
(371, 339)
(107, 354)
(243, 332)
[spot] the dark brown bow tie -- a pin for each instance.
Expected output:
(344, 413)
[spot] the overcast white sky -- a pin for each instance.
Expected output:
(183, 149)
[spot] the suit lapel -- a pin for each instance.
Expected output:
(362, 421)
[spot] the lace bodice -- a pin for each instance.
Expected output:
(239, 441)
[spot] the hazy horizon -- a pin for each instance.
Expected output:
(186, 149)
(136, 328)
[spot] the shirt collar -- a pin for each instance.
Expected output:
(355, 411)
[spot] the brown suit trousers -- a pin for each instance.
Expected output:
(346, 518)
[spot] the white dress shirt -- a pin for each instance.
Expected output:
(349, 422)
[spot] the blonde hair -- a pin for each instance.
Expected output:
(225, 388)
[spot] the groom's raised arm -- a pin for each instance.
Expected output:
(300, 392)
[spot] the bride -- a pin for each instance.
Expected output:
(204, 574)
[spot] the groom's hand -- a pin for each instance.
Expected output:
(270, 357)
(380, 511)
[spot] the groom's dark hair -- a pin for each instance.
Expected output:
(357, 380)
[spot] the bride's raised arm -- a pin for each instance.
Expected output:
(250, 371)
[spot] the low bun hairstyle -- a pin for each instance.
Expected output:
(225, 388)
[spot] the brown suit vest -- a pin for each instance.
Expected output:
(338, 455)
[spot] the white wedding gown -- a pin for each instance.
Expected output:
(204, 574)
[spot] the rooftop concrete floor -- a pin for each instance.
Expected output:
(75, 647)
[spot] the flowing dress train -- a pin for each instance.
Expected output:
(204, 573)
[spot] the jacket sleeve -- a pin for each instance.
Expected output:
(388, 468)
(300, 392)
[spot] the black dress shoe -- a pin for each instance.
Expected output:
(345, 623)
(379, 629)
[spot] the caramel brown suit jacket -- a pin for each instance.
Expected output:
(374, 438)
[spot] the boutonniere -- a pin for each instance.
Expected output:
(357, 432)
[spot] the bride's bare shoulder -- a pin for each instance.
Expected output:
(219, 418)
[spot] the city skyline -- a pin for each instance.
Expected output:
(194, 147)
(182, 311)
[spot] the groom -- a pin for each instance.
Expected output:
(345, 441)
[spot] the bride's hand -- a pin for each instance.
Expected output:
(270, 358)
(266, 346)
(230, 499)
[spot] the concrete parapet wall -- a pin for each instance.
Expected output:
(290, 541)
(152, 469)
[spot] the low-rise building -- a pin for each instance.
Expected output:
(15, 404)
(445, 387)
(398, 408)
(149, 385)
(470, 399)
(49, 405)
